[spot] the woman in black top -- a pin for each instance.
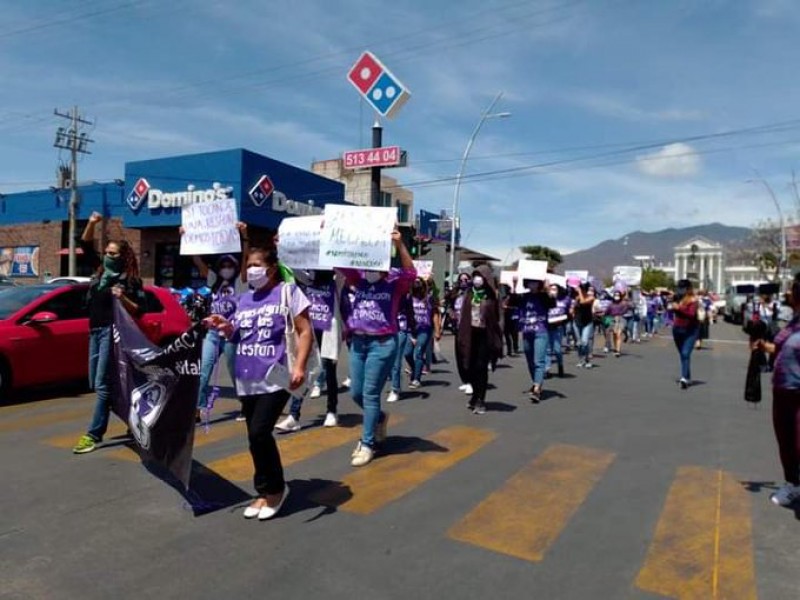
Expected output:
(116, 276)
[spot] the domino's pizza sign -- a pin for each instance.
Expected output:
(378, 85)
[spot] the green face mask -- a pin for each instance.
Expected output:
(112, 263)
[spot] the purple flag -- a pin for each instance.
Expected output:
(157, 393)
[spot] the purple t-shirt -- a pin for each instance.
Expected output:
(260, 329)
(617, 309)
(374, 306)
(533, 313)
(558, 313)
(402, 315)
(786, 374)
(322, 305)
(422, 313)
(225, 298)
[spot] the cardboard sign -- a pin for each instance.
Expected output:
(508, 278)
(532, 269)
(581, 276)
(424, 268)
(357, 237)
(210, 227)
(628, 275)
(555, 279)
(298, 241)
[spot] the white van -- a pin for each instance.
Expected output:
(736, 294)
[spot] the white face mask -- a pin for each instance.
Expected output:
(227, 273)
(477, 281)
(257, 277)
(372, 276)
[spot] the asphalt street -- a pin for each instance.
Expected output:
(617, 485)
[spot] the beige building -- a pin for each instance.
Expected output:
(357, 188)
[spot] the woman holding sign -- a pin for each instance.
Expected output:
(259, 328)
(371, 321)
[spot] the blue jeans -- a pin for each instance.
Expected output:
(685, 339)
(100, 380)
(371, 361)
(420, 352)
(554, 339)
(535, 348)
(403, 343)
(326, 379)
(214, 346)
(585, 341)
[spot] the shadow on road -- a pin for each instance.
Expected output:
(28, 396)
(500, 407)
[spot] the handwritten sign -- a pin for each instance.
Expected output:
(581, 276)
(357, 237)
(424, 268)
(555, 279)
(508, 277)
(298, 241)
(210, 227)
(532, 269)
(628, 275)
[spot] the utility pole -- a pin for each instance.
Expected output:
(77, 142)
(375, 172)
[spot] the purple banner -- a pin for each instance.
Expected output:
(157, 393)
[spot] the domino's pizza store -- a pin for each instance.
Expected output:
(145, 209)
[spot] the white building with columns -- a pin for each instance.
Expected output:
(703, 262)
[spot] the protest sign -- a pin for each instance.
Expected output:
(555, 279)
(157, 389)
(298, 241)
(581, 276)
(532, 269)
(508, 277)
(424, 268)
(357, 237)
(210, 227)
(630, 276)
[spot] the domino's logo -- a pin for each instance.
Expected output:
(138, 194)
(378, 85)
(262, 190)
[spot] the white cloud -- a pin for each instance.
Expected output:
(673, 160)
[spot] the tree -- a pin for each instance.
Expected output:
(656, 278)
(553, 257)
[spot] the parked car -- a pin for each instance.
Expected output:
(44, 332)
(736, 295)
(7, 281)
(771, 289)
(70, 279)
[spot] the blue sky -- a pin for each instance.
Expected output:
(612, 101)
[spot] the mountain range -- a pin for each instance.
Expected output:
(599, 260)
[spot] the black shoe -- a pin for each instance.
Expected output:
(535, 397)
(683, 383)
(561, 371)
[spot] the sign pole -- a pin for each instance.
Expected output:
(375, 183)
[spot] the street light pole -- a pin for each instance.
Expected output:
(487, 114)
(782, 266)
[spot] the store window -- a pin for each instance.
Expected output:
(402, 213)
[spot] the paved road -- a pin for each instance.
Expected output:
(618, 485)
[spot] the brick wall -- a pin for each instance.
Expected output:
(45, 235)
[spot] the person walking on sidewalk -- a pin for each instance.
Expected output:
(785, 348)
(371, 323)
(480, 339)
(258, 327)
(116, 276)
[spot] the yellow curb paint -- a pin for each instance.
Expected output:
(544, 496)
(391, 477)
(703, 545)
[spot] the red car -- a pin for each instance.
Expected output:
(44, 332)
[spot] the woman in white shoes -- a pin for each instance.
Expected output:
(259, 328)
(685, 327)
(786, 399)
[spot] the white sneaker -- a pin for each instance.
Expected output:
(288, 425)
(346, 383)
(786, 495)
(331, 420)
(315, 392)
(362, 455)
(393, 396)
(463, 387)
(415, 384)
(468, 389)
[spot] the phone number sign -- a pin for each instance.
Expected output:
(389, 156)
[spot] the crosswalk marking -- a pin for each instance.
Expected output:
(526, 515)
(703, 544)
(68, 440)
(45, 420)
(390, 477)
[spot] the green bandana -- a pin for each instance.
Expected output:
(478, 295)
(111, 272)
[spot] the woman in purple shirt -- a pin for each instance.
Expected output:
(371, 321)
(616, 310)
(534, 306)
(258, 327)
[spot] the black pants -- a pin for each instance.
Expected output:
(261, 413)
(511, 336)
(786, 421)
(479, 365)
(463, 374)
(331, 377)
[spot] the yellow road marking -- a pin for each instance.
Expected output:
(526, 515)
(703, 544)
(391, 477)
(68, 440)
(45, 420)
(293, 448)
